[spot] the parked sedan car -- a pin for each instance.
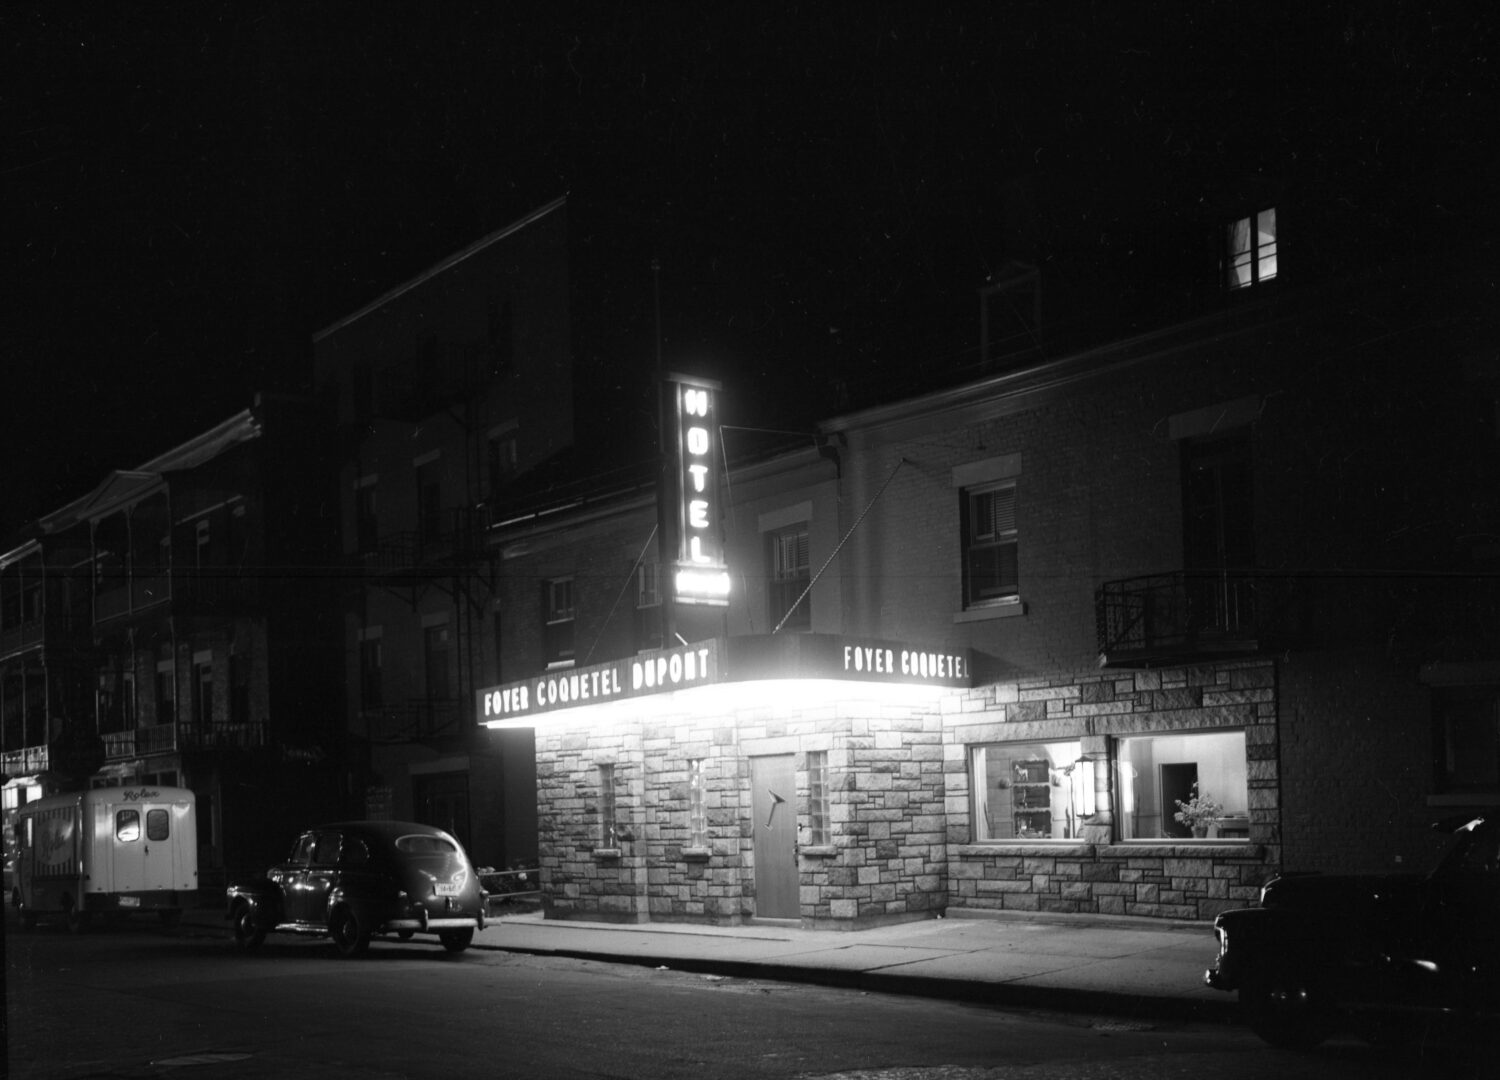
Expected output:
(351, 880)
(1383, 957)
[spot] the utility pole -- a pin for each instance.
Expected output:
(666, 538)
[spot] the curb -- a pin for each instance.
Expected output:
(1006, 995)
(969, 991)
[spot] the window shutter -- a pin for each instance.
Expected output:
(994, 514)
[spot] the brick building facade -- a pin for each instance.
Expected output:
(1238, 560)
(450, 392)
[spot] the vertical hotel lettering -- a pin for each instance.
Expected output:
(701, 576)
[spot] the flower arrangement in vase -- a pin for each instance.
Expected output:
(1198, 812)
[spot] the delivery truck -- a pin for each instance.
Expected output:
(106, 852)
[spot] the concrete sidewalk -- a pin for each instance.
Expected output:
(1141, 968)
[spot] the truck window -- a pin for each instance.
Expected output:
(158, 824)
(127, 826)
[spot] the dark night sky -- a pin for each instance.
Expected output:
(190, 190)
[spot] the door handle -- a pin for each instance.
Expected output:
(776, 800)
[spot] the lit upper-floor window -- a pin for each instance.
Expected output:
(1250, 253)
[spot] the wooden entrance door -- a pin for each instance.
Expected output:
(773, 802)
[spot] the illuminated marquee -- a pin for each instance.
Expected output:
(781, 657)
(700, 576)
(655, 672)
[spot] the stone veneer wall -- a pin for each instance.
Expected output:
(885, 789)
(898, 806)
(1100, 876)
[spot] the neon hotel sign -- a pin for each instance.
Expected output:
(700, 576)
(723, 660)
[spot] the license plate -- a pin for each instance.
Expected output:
(130, 901)
(447, 888)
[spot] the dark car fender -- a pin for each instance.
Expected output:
(1254, 941)
(263, 896)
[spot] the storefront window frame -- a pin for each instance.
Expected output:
(1061, 759)
(1233, 826)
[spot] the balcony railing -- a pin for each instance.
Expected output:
(1187, 616)
(1177, 617)
(454, 539)
(411, 721)
(13, 638)
(218, 591)
(25, 761)
(139, 742)
(222, 736)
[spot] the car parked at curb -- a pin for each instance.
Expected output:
(354, 880)
(1390, 958)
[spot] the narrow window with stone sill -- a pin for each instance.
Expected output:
(697, 805)
(817, 799)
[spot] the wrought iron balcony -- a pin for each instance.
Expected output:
(140, 741)
(1177, 618)
(221, 736)
(216, 591)
(453, 539)
(25, 760)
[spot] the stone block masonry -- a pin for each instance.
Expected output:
(898, 843)
(1103, 874)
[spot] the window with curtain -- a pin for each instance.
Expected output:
(557, 620)
(990, 542)
(790, 574)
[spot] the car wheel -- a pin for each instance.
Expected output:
(246, 928)
(405, 935)
(1283, 1008)
(349, 937)
(456, 940)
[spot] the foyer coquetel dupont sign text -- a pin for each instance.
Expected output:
(718, 660)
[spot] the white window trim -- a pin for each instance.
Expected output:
(798, 514)
(992, 470)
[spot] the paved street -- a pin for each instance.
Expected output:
(142, 1002)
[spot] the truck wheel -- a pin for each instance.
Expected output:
(349, 937)
(1284, 1009)
(456, 941)
(246, 928)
